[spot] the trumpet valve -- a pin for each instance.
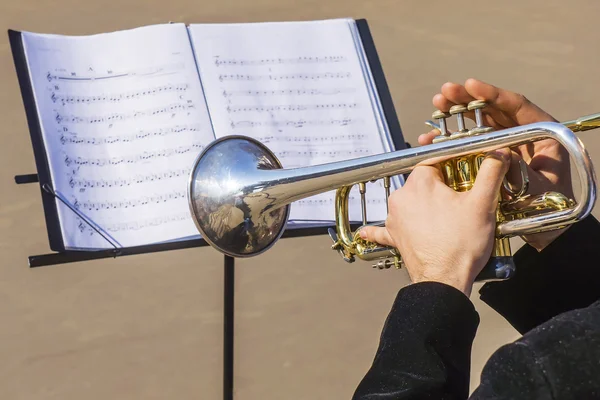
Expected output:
(362, 187)
(387, 185)
(459, 111)
(441, 116)
(477, 106)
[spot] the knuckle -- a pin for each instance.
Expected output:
(395, 202)
(418, 172)
(390, 221)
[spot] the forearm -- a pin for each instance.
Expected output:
(563, 277)
(425, 346)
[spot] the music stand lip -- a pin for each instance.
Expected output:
(72, 256)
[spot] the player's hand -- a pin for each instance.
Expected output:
(548, 161)
(443, 235)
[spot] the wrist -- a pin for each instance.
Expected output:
(456, 270)
(463, 284)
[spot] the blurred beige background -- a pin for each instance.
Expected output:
(307, 324)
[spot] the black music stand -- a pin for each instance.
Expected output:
(67, 256)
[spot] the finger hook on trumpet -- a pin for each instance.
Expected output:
(524, 181)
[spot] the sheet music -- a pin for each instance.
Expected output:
(123, 118)
(299, 88)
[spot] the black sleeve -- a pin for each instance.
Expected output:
(556, 360)
(512, 373)
(425, 346)
(563, 277)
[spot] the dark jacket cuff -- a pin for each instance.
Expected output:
(430, 308)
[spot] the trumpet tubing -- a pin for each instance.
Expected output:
(240, 195)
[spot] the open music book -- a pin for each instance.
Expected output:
(120, 118)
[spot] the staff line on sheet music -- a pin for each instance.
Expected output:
(330, 201)
(272, 61)
(295, 123)
(109, 74)
(278, 77)
(120, 182)
(310, 146)
(173, 108)
(151, 222)
(291, 107)
(312, 139)
(286, 92)
(75, 138)
(115, 98)
(131, 203)
(321, 153)
(141, 157)
(137, 225)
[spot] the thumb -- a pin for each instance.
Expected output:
(490, 176)
(427, 138)
(376, 234)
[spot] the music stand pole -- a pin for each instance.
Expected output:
(228, 311)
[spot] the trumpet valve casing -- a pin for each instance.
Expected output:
(460, 174)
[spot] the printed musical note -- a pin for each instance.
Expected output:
(331, 201)
(294, 123)
(291, 107)
(118, 97)
(312, 139)
(172, 109)
(323, 153)
(140, 157)
(129, 203)
(136, 225)
(141, 224)
(111, 74)
(70, 137)
(274, 61)
(285, 77)
(289, 92)
(120, 182)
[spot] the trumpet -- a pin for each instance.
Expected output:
(239, 194)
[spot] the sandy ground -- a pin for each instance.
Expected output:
(149, 327)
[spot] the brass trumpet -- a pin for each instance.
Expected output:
(240, 195)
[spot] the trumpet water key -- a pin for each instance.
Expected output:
(239, 194)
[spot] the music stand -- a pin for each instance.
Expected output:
(68, 256)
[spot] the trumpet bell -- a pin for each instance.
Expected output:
(226, 200)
